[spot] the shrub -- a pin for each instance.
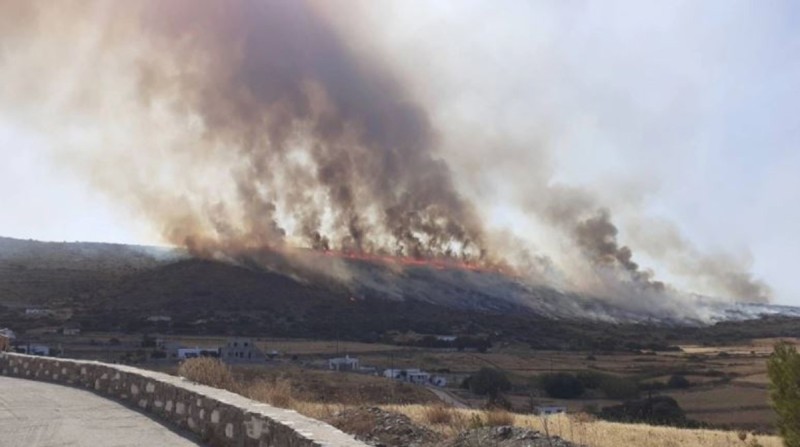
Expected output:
(561, 385)
(659, 410)
(438, 414)
(276, 392)
(619, 388)
(783, 369)
(678, 381)
(489, 381)
(591, 380)
(496, 418)
(208, 371)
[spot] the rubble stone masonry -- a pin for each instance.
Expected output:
(217, 417)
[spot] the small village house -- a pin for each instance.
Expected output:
(71, 328)
(345, 363)
(191, 353)
(32, 349)
(36, 312)
(241, 349)
(159, 319)
(415, 376)
(547, 410)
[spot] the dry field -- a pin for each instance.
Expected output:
(729, 382)
(583, 430)
(578, 428)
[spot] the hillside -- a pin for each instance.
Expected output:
(117, 287)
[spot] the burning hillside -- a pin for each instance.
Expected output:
(245, 129)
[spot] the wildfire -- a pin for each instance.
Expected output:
(406, 261)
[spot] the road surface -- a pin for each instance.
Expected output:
(37, 414)
(448, 398)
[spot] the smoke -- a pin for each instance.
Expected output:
(315, 134)
(247, 125)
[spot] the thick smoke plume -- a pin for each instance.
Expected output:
(245, 125)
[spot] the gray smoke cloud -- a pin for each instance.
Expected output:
(245, 125)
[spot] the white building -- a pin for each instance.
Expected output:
(545, 410)
(241, 350)
(345, 363)
(159, 319)
(411, 375)
(415, 376)
(33, 349)
(438, 381)
(188, 353)
(71, 329)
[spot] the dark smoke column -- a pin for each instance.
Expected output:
(273, 83)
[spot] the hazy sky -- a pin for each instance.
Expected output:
(690, 110)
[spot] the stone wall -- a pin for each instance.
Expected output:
(217, 417)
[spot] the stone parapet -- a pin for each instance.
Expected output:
(217, 417)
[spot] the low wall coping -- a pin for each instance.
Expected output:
(315, 432)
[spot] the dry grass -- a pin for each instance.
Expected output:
(588, 431)
(438, 414)
(208, 371)
(577, 428)
(497, 418)
(277, 392)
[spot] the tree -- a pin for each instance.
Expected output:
(561, 385)
(783, 369)
(678, 381)
(489, 381)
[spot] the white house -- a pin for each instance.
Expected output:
(415, 376)
(438, 381)
(37, 312)
(71, 329)
(33, 349)
(241, 350)
(159, 319)
(188, 353)
(411, 375)
(546, 410)
(345, 363)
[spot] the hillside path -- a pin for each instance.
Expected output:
(37, 414)
(447, 397)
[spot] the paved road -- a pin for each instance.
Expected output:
(36, 414)
(448, 398)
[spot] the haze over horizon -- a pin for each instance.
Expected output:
(680, 119)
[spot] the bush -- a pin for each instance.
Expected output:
(438, 414)
(619, 388)
(496, 418)
(678, 381)
(208, 371)
(783, 369)
(591, 380)
(659, 410)
(561, 385)
(276, 392)
(489, 381)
